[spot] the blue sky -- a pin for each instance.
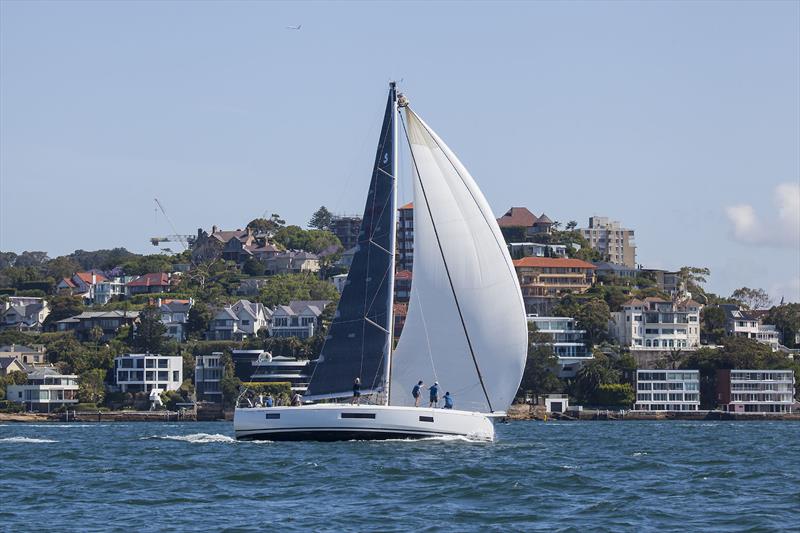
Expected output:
(681, 119)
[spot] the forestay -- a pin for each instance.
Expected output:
(358, 338)
(466, 319)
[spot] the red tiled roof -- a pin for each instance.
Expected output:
(153, 279)
(403, 274)
(86, 277)
(69, 282)
(409, 205)
(400, 309)
(517, 216)
(552, 262)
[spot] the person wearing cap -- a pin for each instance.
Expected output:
(416, 392)
(434, 390)
(448, 400)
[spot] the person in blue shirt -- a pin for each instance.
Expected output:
(356, 391)
(270, 401)
(434, 390)
(448, 400)
(416, 392)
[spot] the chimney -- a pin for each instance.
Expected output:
(213, 229)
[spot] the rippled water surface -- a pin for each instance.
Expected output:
(628, 476)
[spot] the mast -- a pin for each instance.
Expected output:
(387, 362)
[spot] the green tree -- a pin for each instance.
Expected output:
(280, 289)
(91, 386)
(693, 279)
(594, 316)
(253, 267)
(752, 298)
(149, 334)
(614, 395)
(268, 226)
(61, 267)
(591, 375)
(712, 324)
(786, 319)
(63, 306)
(198, 320)
(321, 219)
(229, 383)
(539, 375)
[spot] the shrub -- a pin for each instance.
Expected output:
(616, 394)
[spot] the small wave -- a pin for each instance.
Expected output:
(194, 438)
(638, 454)
(27, 439)
(569, 467)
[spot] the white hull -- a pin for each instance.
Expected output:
(330, 422)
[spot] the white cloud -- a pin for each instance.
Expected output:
(782, 229)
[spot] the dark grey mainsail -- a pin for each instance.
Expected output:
(358, 340)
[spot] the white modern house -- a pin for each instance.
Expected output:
(208, 372)
(45, 389)
(239, 321)
(667, 390)
(656, 324)
(144, 372)
(301, 318)
(755, 391)
(107, 289)
(569, 343)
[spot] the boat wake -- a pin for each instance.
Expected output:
(438, 438)
(198, 438)
(27, 440)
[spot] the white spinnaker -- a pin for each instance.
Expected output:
(466, 318)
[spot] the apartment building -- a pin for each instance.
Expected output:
(347, 229)
(208, 371)
(667, 390)
(568, 342)
(144, 372)
(405, 238)
(615, 243)
(755, 391)
(656, 324)
(544, 279)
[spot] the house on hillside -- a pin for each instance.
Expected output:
(152, 283)
(26, 355)
(657, 324)
(545, 279)
(115, 287)
(301, 318)
(23, 314)
(10, 364)
(292, 262)
(109, 323)
(81, 284)
(528, 224)
(749, 323)
(174, 316)
(238, 321)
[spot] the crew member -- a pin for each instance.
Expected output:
(356, 391)
(434, 394)
(416, 392)
(448, 400)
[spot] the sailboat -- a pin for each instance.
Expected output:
(465, 326)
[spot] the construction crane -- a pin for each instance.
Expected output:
(185, 240)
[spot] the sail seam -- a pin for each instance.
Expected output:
(447, 269)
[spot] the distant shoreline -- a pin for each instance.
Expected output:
(516, 412)
(528, 412)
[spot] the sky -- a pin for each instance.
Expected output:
(679, 119)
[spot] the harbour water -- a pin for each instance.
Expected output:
(632, 476)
